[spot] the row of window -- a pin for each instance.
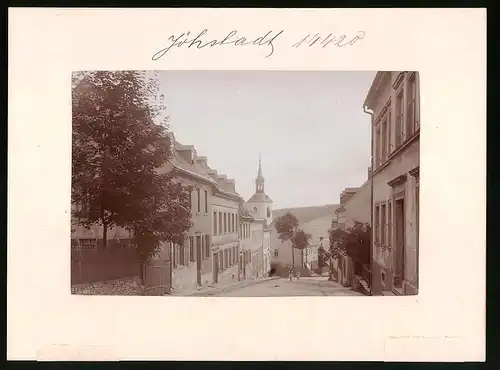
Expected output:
(383, 223)
(245, 231)
(225, 223)
(227, 258)
(406, 121)
(383, 220)
(196, 204)
(257, 261)
(195, 247)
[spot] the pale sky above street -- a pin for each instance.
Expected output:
(309, 127)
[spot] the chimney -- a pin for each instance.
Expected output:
(222, 177)
(213, 174)
(202, 161)
(187, 152)
(230, 185)
(347, 194)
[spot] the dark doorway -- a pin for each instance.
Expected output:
(400, 243)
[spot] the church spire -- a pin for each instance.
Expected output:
(259, 174)
(259, 181)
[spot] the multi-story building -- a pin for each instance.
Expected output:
(394, 105)
(209, 255)
(189, 266)
(225, 221)
(252, 239)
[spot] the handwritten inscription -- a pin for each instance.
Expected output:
(268, 40)
(232, 38)
(340, 41)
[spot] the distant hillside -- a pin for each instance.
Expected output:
(307, 214)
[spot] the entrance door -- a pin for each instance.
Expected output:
(399, 271)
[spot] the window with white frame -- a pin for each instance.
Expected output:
(411, 118)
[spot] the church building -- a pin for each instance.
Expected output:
(260, 204)
(260, 207)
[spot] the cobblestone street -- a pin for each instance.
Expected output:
(308, 286)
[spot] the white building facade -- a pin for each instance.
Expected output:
(395, 104)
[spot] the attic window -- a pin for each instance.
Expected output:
(255, 209)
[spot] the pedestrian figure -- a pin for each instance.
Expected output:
(298, 275)
(290, 274)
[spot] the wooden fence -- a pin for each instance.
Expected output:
(93, 264)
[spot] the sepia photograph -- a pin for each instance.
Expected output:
(245, 183)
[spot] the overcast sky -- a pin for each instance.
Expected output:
(308, 126)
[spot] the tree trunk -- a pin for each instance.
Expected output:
(104, 227)
(104, 235)
(293, 257)
(141, 271)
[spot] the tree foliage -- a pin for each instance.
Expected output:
(286, 226)
(300, 239)
(354, 242)
(287, 229)
(118, 151)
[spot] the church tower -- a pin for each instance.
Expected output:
(260, 204)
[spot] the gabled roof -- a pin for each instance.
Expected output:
(244, 213)
(184, 166)
(199, 171)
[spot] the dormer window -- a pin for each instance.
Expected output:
(255, 209)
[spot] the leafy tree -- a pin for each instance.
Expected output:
(357, 243)
(301, 239)
(354, 242)
(336, 238)
(163, 216)
(287, 228)
(118, 151)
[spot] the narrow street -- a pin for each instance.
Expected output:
(308, 286)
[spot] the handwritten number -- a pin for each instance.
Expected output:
(266, 40)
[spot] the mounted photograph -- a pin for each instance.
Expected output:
(245, 183)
